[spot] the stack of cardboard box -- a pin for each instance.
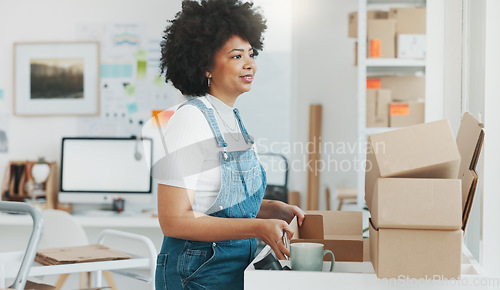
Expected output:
(413, 190)
(395, 101)
(400, 32)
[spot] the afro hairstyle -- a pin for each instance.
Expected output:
(198, 31)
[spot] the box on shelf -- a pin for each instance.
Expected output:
(409, 20)
(427, 150)
(403, 114)
(404, 88)
(370, 14)
(417, 203)
(377, 107)
(411, 253)
(339, 231)
(381, 38)
(411, 46)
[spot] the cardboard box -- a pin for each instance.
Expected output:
(421, 151)
(381, 34)
(469, 141)
(409, 20)
(370, 14)
(340, 231)
(417, 203)
(377, 107)
(404, 88)
(405, 253)
(403, 114)
(411, 46)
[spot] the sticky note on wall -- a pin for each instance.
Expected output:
(141, 56)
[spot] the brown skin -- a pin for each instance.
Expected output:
(232, 74)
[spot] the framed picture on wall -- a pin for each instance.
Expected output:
(59, 78)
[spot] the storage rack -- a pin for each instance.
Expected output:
(372, 66)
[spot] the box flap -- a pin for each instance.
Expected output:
(373, 245)
(469, 141)
(471, 185)
(417, 203)
(341, 222)
(312, 227)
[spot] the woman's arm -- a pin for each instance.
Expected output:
(177, 219)
(275, 209)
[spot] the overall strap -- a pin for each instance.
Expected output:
(209, 115)
(242, 127)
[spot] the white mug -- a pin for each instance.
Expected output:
(309, 257)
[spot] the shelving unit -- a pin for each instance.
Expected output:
(377, 66)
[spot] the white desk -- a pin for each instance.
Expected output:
(355, 275)
(15, 229)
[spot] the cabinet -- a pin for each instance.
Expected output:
(384, 66)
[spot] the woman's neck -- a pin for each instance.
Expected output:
(228, 100)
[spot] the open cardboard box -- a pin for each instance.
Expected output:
(340, 231)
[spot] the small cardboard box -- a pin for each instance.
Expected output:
(403, 114)
(417, 203)
(370, 14)
(377, 107)
(339, 231)
(411, 46)
(411, 253)
(404, 88)
(421, 151)
(409, 20)
(381, 34)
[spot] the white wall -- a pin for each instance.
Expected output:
(323, 73)
(56, 20)
(31, 137)
(491, 199)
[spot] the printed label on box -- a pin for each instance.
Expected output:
(399, 110)
(373, 84)
(375, 48)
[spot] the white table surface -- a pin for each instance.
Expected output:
(360, 275)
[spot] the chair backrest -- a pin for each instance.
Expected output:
(36, 233)
(61, 230)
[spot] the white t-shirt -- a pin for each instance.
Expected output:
(192, 159)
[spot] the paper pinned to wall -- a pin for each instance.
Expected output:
(117, 70)
(141, 57)
(1, 94)
(118, 40)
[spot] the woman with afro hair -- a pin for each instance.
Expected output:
(210, 193)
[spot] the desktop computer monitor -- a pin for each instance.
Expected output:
(99, 170)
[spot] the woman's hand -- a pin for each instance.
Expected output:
(287, 212)
(273, 209)
(270, 231)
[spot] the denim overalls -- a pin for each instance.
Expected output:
(185, 264)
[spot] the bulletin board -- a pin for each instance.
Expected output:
(131, 87)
